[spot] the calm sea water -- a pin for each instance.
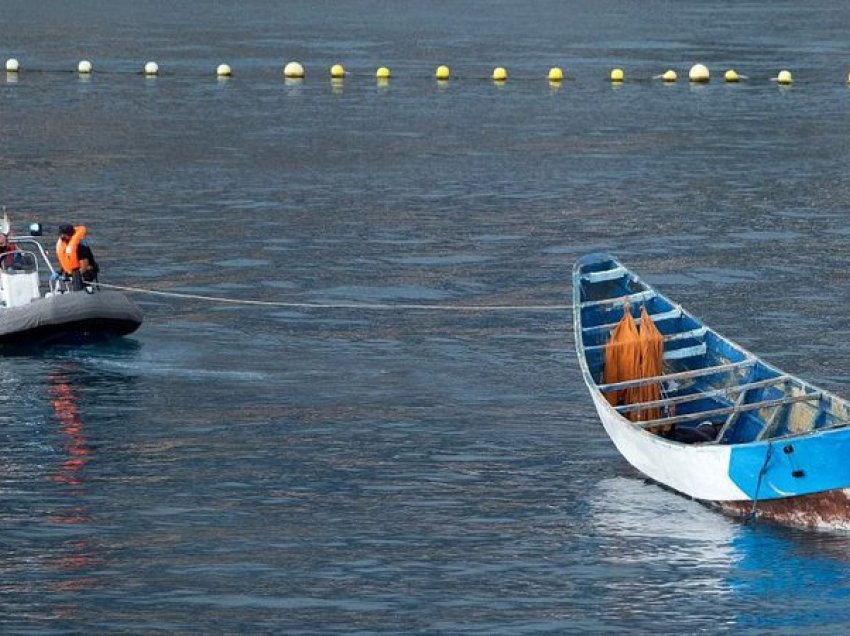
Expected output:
(246, 468)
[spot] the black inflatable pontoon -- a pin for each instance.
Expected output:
(61, 315)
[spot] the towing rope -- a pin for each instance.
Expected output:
(752, 516)
(368, 306)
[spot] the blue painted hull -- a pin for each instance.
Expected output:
(792, 467)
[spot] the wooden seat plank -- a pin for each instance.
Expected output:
(673, 337)
(620, 300)
(663, 315)
(686, 352)
(604, 275)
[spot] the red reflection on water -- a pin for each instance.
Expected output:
(76, 556)
(64, 402)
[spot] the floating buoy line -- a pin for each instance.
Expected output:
(365, 306)
(295, 71)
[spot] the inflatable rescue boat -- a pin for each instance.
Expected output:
(60, 315)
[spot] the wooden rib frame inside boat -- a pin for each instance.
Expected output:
(731, 411)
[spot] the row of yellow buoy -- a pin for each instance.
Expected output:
(295, 70)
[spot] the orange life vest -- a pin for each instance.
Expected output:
(66, 253)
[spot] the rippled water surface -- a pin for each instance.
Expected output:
(238, 467)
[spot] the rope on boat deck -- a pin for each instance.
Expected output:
(368, 306)
(752, 515)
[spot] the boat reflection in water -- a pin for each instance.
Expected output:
(64, 404)
(655, 531)
(663, 552)
(74, 558)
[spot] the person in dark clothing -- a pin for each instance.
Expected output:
(75, 256)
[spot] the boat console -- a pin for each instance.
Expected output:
(19, 283)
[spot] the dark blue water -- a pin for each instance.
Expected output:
(247, 468)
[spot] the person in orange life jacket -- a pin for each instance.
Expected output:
(75, 256)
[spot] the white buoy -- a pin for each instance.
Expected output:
(12, 65)
(698, 73)
(84, 67)
(151, 68)
(223, 70)
(784, 77)
(293, 70)
(669, 75)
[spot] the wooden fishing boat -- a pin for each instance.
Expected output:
(727, 428)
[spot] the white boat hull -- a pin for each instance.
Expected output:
(701, 472)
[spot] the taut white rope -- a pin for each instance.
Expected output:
(369, 306)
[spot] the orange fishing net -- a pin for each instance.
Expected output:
(622, 356)
(630, 355)
(651, 364)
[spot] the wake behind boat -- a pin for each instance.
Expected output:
(717, 423)
(59, 315)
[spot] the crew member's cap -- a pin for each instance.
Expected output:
(66, 228)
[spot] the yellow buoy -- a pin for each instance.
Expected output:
(293, 70)
(617, 75)
(151, 68)
(12, 65)
(731, 75)
(383, 73)
(443, 72)
(500, 74)
(669, 75)
(337, 71)
(556, 74)
(84, 67)
(784, 77)
(223, 70)
(699, 73)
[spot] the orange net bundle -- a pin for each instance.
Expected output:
(631, 355)
(622, 356)
(651, 365)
